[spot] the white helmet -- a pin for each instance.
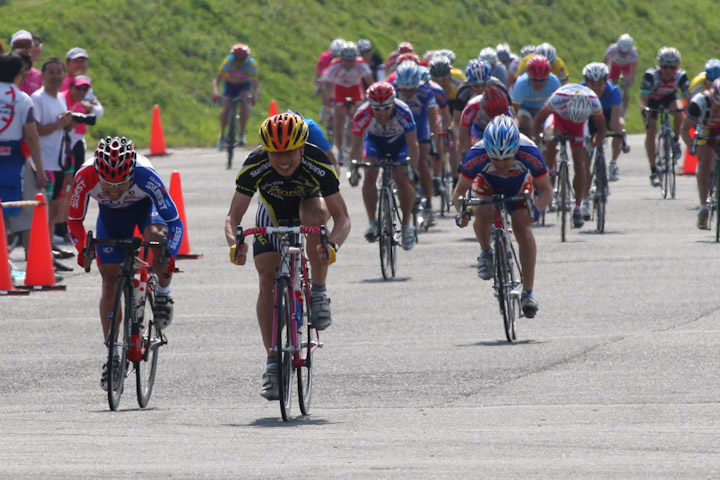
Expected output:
(547, 51)
(336, 45)
(489, 55)
(669, 56)
(595, 72)
(625, 43)
(503, 52)
(579, 108)
(348, 51)
(527, 50)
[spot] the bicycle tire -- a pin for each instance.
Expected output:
(715, 203)
(308, 341)
(386, 231)
(601, 191)
(347, 139)
(284, 345)
(122, 308)
(663, 156)
(564, 199)
(503, 287)
(671, 176)
(152, 339)
(231, 134)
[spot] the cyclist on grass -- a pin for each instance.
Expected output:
(505, 161)
(531, 90)
(703, 114)
(596, 77)
(130, 194)
(421, 101)
(344, 77)
(294, 180)
(658, 88)
(571, 106)
(242, 79)
(621, 57)
(384, 125)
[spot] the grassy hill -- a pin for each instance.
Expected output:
(166, 52)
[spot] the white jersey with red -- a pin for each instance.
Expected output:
(620, 62)
(557, 103)
(476, 118)
(146, 184)
(340, 77)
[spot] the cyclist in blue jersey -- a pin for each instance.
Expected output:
(596, 77)
(421, 101)
(385, 125)
(531, 90)
(507, 162)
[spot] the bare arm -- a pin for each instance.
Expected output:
(545, 192)
(238, 207)
(413, 150)
(33, 140)
(538, 122)
(341, 220)
(63, 121)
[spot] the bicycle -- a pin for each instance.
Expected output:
(347, 135)
(600, 191)
(234, 117)
(291, 315)
(507, 285)
(665, 161)
(445, 190)
(713, 198)
(563, 191)
(133, 310)
(388, 216)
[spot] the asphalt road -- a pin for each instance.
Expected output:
(617, 376)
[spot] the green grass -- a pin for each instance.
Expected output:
(166, 52)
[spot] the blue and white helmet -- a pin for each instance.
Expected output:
(625, 43)
(477, 72)
(503, 52)
(547, 51)
(712, 69)
(489, 55)
(408, 75)
(501, 137)
(424, 73)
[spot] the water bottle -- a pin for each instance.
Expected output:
(299, 311)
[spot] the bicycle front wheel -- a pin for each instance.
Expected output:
(232, 131)
(663, 164)
(118, 341)
(564, 205)
(387, 232)
(309, 341)
(504, 286)
(152, 339)
(601, 191)
(284, 344)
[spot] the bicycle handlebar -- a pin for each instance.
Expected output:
(133, 244)
(663, 110)
(240, 233)
(497, 199)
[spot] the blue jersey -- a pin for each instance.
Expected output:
(419, 103)
(526, 96)
(316, 135)
(401, 122)
(527, 159)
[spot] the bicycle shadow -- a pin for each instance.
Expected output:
(500, 343)
(277, 422)
(389, 280)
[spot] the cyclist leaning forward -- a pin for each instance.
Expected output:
(385, 126)
(506, 162)
(294, 179)
(130, 193)
(658, 88)
(703, 114)
(571, 106)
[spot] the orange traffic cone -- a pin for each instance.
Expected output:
(6, 283)
(273, 108)
(177, 196)
(690, 162)
(40, 274)
(157, 138)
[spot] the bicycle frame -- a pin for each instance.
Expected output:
(665, 161)
(563, 191)
(713, 197)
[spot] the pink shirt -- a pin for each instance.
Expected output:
(33, 82)
(324, 61)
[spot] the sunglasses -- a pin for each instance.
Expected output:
(381, 109)
(538, 79)
(503, 159)
(667, 67)
(115, 184)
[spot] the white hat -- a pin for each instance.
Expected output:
(20, 35)
(76, 52)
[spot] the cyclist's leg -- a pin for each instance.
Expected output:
(424, 169)
(581, 171)
(266, 262)
(369, 187)
(524, 118)
(229, 92)
(527, 249)
(314, 213)
(406, 192)
(706, 158)
(109, 273)
(677, 118)
(245, 94)
(482, 188)
(550, 147)
(651, 136)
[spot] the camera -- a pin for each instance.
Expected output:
(82, 118)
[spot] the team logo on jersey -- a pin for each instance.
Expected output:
(157, 190)
(7, 110)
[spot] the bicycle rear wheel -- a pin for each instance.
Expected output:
(231, 134)
(504, 286)
(601, 191)
(152, 339)
(564, 203)
(664, 164)
(120, 330)
(714, 202)
(309, 340)
(387, 231)
(284, 345)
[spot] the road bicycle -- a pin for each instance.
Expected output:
(445, 190)
(665, 161)
(507, 273)
(347, 132)
(600, 190)
(388, 216)
(133, 335)
(563, 193)
(234, 125)
(294, 339)
(713, 198)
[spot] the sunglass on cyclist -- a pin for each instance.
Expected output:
(115, 184)
(381, 109)
(667, 67)
(503, 159)
(538, 79)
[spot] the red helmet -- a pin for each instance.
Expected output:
(241, 51)
(495, 102)
(538, 67)
(380, 94)
(407, 56)
(405, 47)
(115, 159)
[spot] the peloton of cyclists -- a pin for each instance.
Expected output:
(531, 91)
(557, 64)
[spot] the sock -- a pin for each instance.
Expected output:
(527, 292)
(271, 361)
(318, 289)
(703, 207)
(163, 290)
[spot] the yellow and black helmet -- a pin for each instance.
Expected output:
(283, 132)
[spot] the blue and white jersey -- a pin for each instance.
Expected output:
(401, 122)
(527, 159)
